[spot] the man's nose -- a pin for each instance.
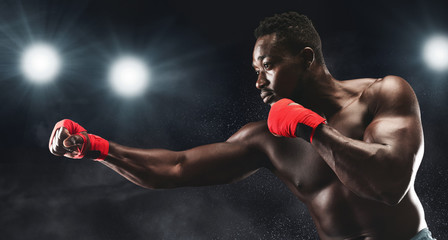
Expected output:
(262, 82)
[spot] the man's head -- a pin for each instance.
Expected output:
(286, 57)
(294, 32)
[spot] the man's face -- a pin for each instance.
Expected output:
(279, 72)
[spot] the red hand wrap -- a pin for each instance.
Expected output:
(284, 118)
(97, 144)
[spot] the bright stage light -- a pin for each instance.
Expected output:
(40, 63)
(129, 76)
(435, 53)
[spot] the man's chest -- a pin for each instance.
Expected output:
(352, 120)
(301, 167)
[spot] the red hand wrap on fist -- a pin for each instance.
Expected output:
(99, 144)
(98, 148)
(284, 118)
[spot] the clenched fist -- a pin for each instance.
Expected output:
(71, 140)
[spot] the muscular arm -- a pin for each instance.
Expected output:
(384, 164)
(217, 163)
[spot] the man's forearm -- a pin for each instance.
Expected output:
(149, 168)
(211, 164)
(365, 168)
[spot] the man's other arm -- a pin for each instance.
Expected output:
(382, 166)
(212, 164)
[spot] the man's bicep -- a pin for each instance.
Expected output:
(221, 163)
(395, 132)
(396, 122)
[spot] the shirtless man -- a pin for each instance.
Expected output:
(350, 151)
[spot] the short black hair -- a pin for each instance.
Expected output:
(294, 31)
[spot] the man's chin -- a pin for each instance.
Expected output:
(271, 99)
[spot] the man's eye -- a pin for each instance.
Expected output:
(257, 72)
(266, 65)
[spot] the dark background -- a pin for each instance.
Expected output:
(202, 90)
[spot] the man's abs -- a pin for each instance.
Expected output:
(337, 212)
(340, 214)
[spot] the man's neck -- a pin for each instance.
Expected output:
(324, 94)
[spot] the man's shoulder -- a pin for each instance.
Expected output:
(388, 86)
(251, 132)
(389, 92)
(389, 83)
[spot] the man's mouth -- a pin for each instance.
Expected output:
(267, 96)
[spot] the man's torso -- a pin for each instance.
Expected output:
(337, 212)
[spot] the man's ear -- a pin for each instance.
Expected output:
(308, 56)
